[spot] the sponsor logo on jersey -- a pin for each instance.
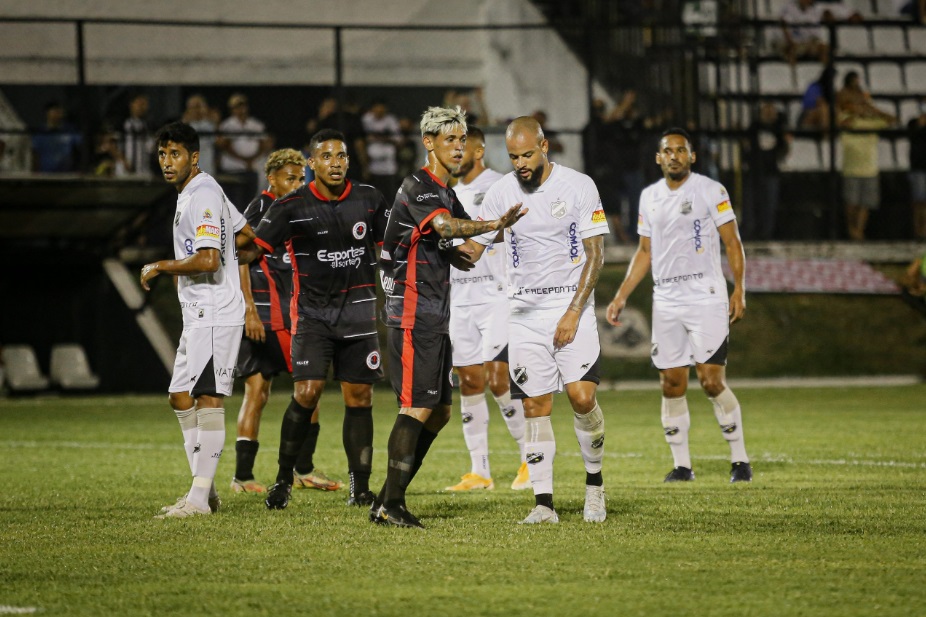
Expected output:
(342, 259)
(467, 417)
(558, 209)
(201, 313)
(360, 230)
(373, 360)
(699, 248)
(207, 214)
(207, 231)
(685, 208)
(598, 216)
(424, 196)
(724, 206)
(542, 291)
(520, 375)
(445, 244)
(681, 278)
(515, 256)
(573, 244)
(534, 457)
(386, 281)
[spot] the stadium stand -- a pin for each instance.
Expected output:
(70, 369)
(23, 373)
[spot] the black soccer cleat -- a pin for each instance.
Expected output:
(680, 474)
(362, 500)
(741, 472)
(278, 496)
(376, 513)
(399, 516)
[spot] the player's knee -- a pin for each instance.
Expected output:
(498, 384)
(471, 382)
(307, 394)
(583, 402)
(180, 400)
(712, 385)
(672, 387)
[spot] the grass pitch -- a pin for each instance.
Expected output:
(834, 523)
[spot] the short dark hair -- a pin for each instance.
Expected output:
(475, 131)
(179, 133)
(325, 135)
(676, 130)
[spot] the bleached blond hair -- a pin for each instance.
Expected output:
(281, 158)
(438, 120)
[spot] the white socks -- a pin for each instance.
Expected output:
(475, 413)
(730, 418)
(540, 449)
(187, 419)
(210, 440)
(513, 412)
(675, 422)
(590, 433)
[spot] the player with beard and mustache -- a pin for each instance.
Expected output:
(554, 257)
(682, 221)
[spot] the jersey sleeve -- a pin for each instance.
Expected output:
(491, 210)
(255, 211)
(643, 224)
(718, 201)
(274, 226)
(380, 219)
(237, 219)
(592, 219)
(206, 210)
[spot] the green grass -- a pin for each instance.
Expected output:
(834, 523)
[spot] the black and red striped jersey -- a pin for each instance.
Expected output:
(271, 275)
(331, 245)
(415, 269)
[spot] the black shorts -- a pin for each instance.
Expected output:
(315, 347)
(420, 365)
(269, 358)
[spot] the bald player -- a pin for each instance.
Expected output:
(554, 257)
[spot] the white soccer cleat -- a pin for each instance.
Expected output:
(541, 514)
(595, 511)
(187, 510)
(177, 504)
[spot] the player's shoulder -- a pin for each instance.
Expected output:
(708, 186)
(489, 176)
(203, 185)
(420, 183)
(365, 192)
(572, 177)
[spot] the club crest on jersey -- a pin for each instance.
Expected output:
(373, 360)
(360, 230)
(207, 214)
(520, 375)
(558, 209)
(685, 208)
(477, 201)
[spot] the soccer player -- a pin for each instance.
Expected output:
(554, 258)
(267, 285)
(206, 268)
(479, 332)
(682, 220)
(415, 260)
(330, 228)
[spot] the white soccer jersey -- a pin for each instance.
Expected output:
(485, 282)
(206, 219)
(544, 249)
(685, 244)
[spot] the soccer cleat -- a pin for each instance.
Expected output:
(540, 514)
(523, 481)
(741, 472)
(364, 499)
(472, 482)
(247, 486)
(315, 479)
(399, 516)
(186, 510)
(278, 496)
(680, 474)
(595, 511)
(177, 504)
(376, 513)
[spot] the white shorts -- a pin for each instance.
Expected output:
(536, 368)
(205, 362)
(479, 333)
(694, 333)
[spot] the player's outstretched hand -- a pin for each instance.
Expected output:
(148, 272)
(511, 217)
(614, 311)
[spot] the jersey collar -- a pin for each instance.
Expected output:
(269, 194)
(435, 178)
(342, 197)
